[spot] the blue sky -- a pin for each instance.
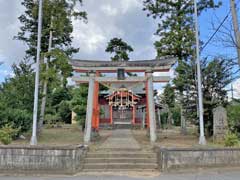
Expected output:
(107, 19)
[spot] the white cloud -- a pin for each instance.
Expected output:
(236, 88)
(109, 10)
(106, 19)
(10, 50)
(127, 5)
(88, 36)
(6, 73)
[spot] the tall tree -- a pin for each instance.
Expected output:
(56, 39)
(217, 76)
(119, 48)
(57, 12)
(176, 32)
(168, 99)
(16, 98)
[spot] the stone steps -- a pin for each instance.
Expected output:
(120, 161)
(121, 155)
(122, 126)
(120, 152)
(118, 170)
(126, 166)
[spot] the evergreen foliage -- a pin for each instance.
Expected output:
(59, 13)
(177, 38)
(16, 98)
(233, 111)
(119, 48)
(56, 45)
(79, 103)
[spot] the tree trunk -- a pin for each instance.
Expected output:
(169, 123)
(45, 85)
(183, 120)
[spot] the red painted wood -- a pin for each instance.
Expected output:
(96, 109)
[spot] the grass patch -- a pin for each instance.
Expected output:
(64, 136)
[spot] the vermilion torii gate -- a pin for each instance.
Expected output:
(94, 68)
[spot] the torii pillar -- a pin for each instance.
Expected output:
(151, 106)
(89, 114)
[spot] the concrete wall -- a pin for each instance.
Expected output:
(175, 158)
(63, 160)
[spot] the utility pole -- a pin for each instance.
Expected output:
(202, 139)
(35, 108)
(236, 28)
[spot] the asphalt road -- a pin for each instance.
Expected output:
(211, 175)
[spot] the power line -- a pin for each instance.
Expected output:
(216, 31)
(218, 28)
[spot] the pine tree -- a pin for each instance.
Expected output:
(56, 45)
(168, 99)
(176, 32)
(217, 75)
(16, 98)
(119, 48)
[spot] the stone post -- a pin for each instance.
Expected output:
(220, 123)
(89, 113)
(151, 106)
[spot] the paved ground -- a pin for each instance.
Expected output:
(226, 175)
(120, 139)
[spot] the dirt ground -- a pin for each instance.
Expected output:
(73, 135)
(171, 138)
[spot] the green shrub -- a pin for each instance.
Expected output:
(51, 120)
(7, 133)
(176, 115)
(5, 138)
(231, 139)
(233, 112)
(65, 112)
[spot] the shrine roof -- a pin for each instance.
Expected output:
(136, 88)
(164, 63)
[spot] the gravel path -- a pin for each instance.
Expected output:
(120, 139)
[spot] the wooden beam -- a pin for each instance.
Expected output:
(85, 79)
(114, 70)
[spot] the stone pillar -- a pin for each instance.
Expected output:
(89, 113)
(151, 106)
(220, 123)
